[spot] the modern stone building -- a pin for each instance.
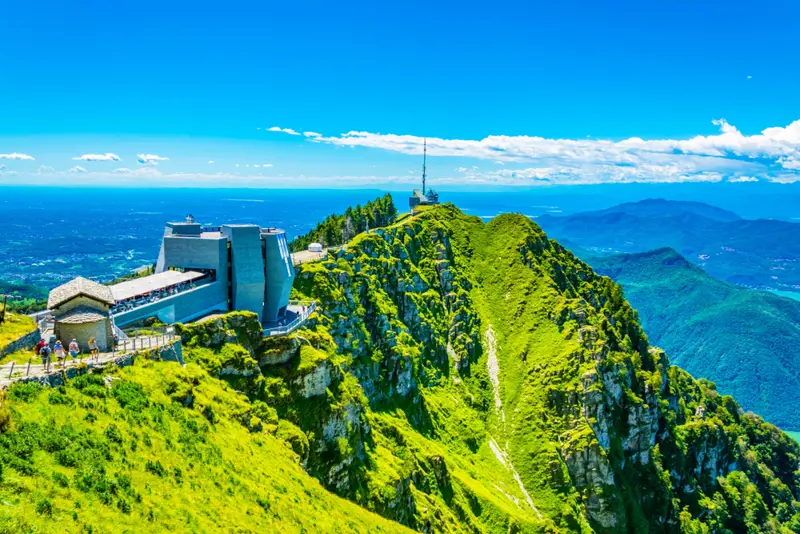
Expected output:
(81, 311)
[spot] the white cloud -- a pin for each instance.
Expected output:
(17, 155)
(749, 77)
(78, 169)
(283, 130)
(210, 161)
(743, 179)
(45, 169)
(312, 134)
(122, 170)
(97, 157)
(150, 159)
(257, 166)
(267, 165)
(728, 154)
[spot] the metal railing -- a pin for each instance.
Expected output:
(310, 307)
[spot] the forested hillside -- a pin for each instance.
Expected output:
(338, 229)
(744, 340)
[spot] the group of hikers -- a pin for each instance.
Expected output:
(45, 350)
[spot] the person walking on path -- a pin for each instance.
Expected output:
(44, 352)
(39, 346)
(74, 349)
(93, 347)
(59, 350)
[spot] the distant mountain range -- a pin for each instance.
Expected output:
(744, 340)
(756, 253)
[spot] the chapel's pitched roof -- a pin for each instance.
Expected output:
(77, 287)
(81, 315)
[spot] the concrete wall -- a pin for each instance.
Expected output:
(194, 253)
(279, 275)
(247, 273)
(182, 307)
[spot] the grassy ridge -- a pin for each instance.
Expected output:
(589, 421)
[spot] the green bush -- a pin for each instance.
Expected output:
(130, 395)
(24, 391)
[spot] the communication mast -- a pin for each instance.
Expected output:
(424, 159)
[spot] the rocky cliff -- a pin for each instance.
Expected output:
(463, 376)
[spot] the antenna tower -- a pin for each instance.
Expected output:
(424, 158)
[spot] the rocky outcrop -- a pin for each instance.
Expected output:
(583, 409)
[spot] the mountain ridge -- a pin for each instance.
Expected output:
(755, 253)
(457, 376)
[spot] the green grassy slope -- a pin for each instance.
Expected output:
(497, 344)
(135, 458)
(14, 327)
(744, 340)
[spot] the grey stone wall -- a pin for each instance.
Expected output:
(25, 342)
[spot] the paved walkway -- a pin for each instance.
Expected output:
(13, 372)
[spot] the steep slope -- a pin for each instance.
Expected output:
(744, 340)
(493, 353)
(156, 448)
(758, 253)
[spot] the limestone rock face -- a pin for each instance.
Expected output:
(315, 382)
(411, 416)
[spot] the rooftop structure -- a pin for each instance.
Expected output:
(421, 197)
(148, 284)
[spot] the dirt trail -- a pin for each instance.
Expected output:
(493, 365)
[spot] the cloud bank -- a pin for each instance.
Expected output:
(773, 154)
(97, 157)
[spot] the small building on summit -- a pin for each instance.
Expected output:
(81, 311)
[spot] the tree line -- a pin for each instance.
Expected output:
(338, 229)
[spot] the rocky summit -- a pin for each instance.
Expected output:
(457, 376)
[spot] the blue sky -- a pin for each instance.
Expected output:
(514, 93)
